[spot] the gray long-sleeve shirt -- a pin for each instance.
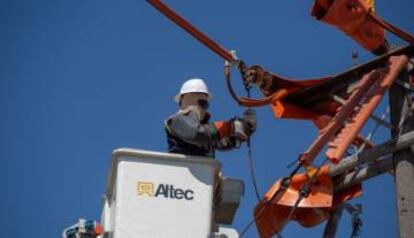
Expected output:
(187, 135)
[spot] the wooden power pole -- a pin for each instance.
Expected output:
(402, 119)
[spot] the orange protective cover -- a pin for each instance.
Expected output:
(271, 214)
(351, 17)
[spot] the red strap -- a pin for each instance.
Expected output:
(223, 128)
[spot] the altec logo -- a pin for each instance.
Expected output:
(164, 190)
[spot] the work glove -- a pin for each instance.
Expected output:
(237, 135)
(243, 128)
(238, 129)
(255, 75)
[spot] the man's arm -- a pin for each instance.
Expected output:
(245, 130)
(224, 135)
(187, 127)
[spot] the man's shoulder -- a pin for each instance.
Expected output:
(184, 113)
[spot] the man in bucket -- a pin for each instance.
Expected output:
(190, 132)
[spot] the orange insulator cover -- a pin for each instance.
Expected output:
(272, 213)
(351, 17)
(283, 109)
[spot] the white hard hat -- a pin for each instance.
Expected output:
(194, 85)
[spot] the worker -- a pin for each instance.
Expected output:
(190, 132)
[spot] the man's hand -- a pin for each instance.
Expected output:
(238, 134)
(238, 129)
(243, 128)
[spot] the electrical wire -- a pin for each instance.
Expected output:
(227, 74)
(250, 159)
(304, 191)
(283, 186)
(252, 171)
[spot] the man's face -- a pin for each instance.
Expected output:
(196, 100)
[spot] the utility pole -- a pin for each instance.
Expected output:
(402, 120)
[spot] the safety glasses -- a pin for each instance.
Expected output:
(203, 103)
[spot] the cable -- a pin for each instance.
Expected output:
(250, 102)
(251, 169)
(247, 227)
(284, 184)
(355, 212)
(227, 74)
(304, 192)
(356, 225)
(250, 157)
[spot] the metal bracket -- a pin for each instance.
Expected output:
(236, 59)
(380, 121)
(405, 85)
(352, 209)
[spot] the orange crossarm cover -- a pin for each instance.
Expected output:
(223, 128)
(285, 86)
(352, 17)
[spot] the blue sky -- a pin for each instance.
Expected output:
(81, 78)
